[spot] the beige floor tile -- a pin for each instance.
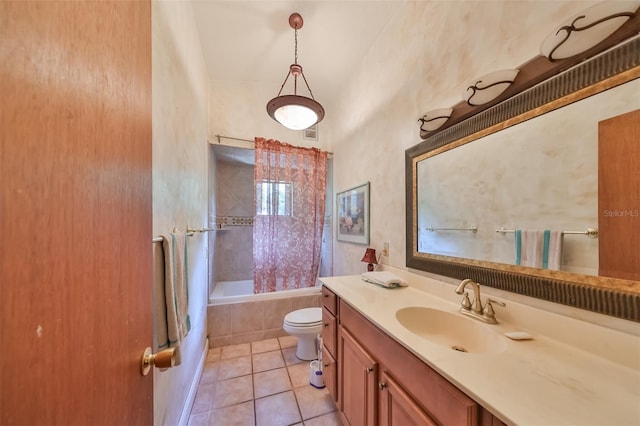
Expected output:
(271, 382)
(331, 419)
(234, 367)
(201, 419)
(288, 341)
(204, 396)
(299, 374)
(234, 415)
(233, 351)
(277, 410)
(232, 391)
(290, 357)
(314, 402)
(213, 354)
(265, 346)
(210, 373)
(267, 361)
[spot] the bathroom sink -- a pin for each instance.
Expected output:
(451, 330)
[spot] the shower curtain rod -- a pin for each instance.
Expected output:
(247, 140)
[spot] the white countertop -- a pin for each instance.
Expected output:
(543, 381)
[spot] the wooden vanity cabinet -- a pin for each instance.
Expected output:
(382, 383)
(329, 341)
(357, 382)
(397, 407)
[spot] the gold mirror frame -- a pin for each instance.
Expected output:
(610, 296)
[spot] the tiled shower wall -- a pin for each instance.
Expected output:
(234, 208)
(234, 246)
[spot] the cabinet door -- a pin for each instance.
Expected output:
(330, 373)
(397, 408)
(358, 384)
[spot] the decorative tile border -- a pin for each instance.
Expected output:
(224, 221)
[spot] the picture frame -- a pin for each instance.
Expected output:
(352, 213)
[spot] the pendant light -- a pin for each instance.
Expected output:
(295, 112)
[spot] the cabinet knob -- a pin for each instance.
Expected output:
(326, 324)
(382, 385)
(369, 369)
(325, 295)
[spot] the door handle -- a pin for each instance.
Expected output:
(162, 360)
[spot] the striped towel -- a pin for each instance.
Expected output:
(172, 294)
(552, 250)
(539, 249)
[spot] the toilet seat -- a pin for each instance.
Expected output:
(304, 318)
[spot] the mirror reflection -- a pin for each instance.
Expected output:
(541, 174)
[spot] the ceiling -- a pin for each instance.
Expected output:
(247, 41)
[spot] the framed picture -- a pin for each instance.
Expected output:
(353, 215)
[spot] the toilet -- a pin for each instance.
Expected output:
(305, 324)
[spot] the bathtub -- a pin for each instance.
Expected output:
(225, 292)
(235, 315)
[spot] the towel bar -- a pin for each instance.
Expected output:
(470, 228)
(590, 232)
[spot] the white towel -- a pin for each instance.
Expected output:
(172, 294)
(384, 279)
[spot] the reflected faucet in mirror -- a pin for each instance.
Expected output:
(476, 310)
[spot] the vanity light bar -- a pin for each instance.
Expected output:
(471, 228)
(590, 232)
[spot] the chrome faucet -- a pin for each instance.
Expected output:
(476, 310)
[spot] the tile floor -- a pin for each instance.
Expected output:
(262, 384)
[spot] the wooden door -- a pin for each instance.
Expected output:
(357, 381)
(397, 408)
(75, 212)
(619, 196)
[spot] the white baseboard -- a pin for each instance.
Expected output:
(188, 404)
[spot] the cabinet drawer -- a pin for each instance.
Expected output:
(329, 330)
(329, 300)
(330, 373)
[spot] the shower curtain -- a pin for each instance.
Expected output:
(290, 185)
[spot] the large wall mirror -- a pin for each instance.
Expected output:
(509, 168)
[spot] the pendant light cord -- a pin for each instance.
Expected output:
(295, 59)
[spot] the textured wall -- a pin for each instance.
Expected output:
(180, 149)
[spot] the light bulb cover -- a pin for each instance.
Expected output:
(434, 119)
(486, 88)
(295, 112)
(585, 30)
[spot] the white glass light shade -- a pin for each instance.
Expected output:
(488, 87)
(434, 119)
(585, 30)
(295, 112)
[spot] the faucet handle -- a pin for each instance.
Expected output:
(466, 303)
(489, 300)
(488, 308)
